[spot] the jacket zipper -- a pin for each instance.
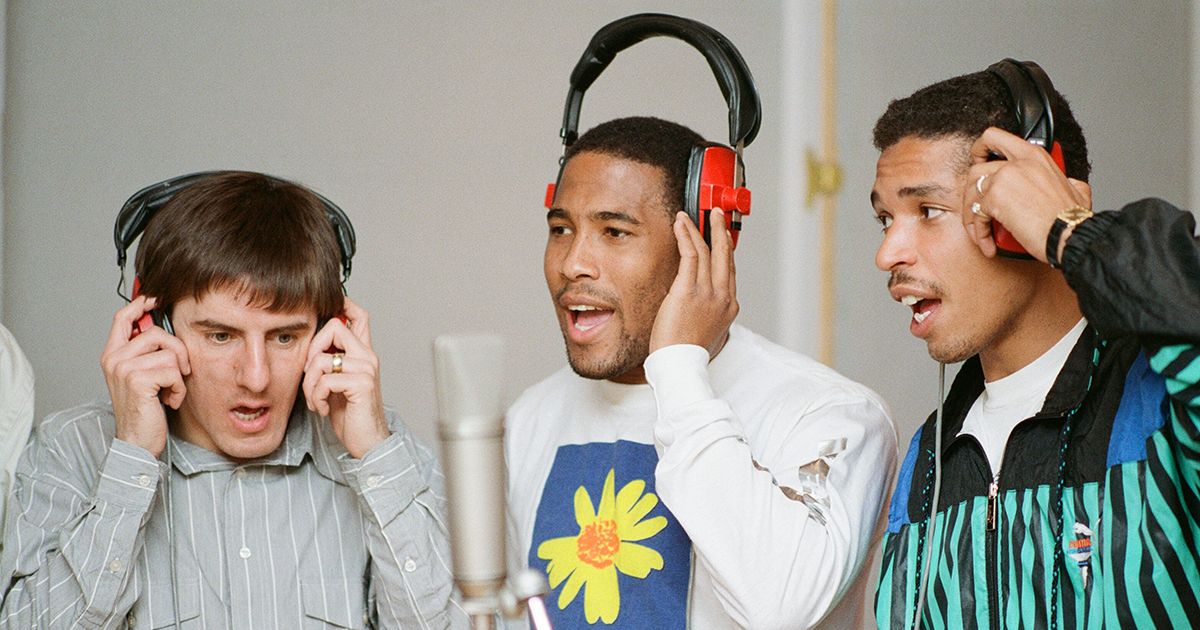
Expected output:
(991, 544)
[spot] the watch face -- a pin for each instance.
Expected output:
(1075, 214)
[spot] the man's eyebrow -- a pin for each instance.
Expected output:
(212, 323)
(610, 215)
(294, 327)
(600, 215)
(923, 190)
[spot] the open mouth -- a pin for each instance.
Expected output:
(585, 317)
(250, 419)
(922, 308)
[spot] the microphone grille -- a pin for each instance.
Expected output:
(469, 374)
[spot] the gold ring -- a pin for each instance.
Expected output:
(337, 363)
(979, 184)
(977, 210)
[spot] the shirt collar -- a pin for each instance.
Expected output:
(301, 439)
(1069, 389)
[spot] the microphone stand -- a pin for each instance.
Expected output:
(524, 593)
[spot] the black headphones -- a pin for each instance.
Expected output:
(1029, 89)
(141, 207)
(715, 172)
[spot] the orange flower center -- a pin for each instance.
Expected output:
(598, 543)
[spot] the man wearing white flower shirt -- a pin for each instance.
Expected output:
(684, 471)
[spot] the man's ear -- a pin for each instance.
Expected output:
(982, 235)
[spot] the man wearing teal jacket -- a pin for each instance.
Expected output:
(1069, 492)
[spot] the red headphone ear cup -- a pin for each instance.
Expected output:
(145, 321)
(153, 317)
(1007, 244)
(710, 184)
(142, 325)
(1056, 153)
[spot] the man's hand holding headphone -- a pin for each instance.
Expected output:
(143, 372)
(1026, 191)
(341, 381)
(702, 301)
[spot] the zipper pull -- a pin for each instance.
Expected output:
(993, 507)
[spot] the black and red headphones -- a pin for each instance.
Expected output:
(135, 215)
(1030, 90)
(716, 176)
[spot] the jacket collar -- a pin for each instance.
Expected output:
(1068, 391)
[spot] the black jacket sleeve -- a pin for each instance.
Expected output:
(1137, 272)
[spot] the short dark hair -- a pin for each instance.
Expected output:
(652, 141)
(966, 106)
(244, 231)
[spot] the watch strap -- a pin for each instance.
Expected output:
(1070, 217)
(1052, 240)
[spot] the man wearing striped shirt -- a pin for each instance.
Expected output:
(245, 473)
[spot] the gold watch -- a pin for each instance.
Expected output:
(1070, 217)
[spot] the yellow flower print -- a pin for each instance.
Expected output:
(605, 545)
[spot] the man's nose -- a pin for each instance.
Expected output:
(579, 261)
(253, 370)
(897, 248)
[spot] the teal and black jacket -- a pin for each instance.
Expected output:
(1094, 518)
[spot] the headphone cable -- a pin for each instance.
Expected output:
(937, 490)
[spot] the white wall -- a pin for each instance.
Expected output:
(436, 129)
(434, 126)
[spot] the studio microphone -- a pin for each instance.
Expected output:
(468, 370)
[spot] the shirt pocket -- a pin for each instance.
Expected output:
(333, 604)
(156, 607)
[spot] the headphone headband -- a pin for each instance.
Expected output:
(728, 66)
(137, 211)
(1030, 89)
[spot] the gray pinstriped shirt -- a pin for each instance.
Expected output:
(306, 537)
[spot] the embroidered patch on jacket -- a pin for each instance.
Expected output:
(1080, 550)
(612, 551)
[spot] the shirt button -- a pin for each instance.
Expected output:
(114, 566)
(144, 481)
(373, 481)
(244, 553)
(240, 472)
(410, 565)
(131, 621)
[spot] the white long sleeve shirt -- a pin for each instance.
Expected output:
(742, 492)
